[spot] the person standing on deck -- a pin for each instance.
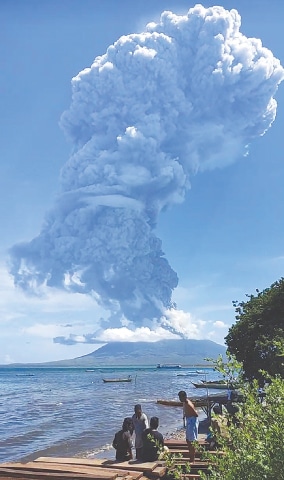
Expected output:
(140, 422)
(192, 422)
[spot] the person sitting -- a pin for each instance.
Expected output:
(216, 427)
(153, 441)
(122, 441)
(232, 409)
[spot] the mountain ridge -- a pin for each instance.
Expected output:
(181, 351)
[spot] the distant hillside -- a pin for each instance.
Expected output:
(184, 352)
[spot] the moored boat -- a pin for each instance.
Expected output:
(215, 385)
(221, 382)
(117, 380)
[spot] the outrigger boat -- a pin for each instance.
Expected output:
(218, 384)
(117, 380)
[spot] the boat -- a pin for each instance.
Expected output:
(220, 382)
(118, 380)
(170, 403)
(216, 385)
(168, 365)
(90, 370)
(189, 374)
(229, 385)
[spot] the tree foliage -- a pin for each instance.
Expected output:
(257, 338)
(253, 447)
(230, 368)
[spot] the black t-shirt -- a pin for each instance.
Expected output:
(122, 443)
(153, 442)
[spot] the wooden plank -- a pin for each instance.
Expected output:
(72, 460)
(181, 443)
(174, 441)
(214, 453)
(185, 453)
(182, 448)
(60, 467)
(10, 474)
(190, 476)
(125, 473)
(178, 451)
(198, 455)
(195, 464)
(159, 471)
(136, 474)
(131, 465)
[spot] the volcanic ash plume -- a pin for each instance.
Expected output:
(188, 94)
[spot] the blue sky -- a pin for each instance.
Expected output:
(224, 240)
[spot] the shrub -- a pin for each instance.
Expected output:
(255, 447)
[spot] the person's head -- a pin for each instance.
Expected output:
(217, 410)
(138, 410)
(127, 425)
(154, 423)
(182, 395)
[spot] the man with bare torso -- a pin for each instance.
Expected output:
(191, 416)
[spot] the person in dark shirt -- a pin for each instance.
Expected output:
(122, 441)
(153, 441)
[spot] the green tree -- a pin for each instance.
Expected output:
(257, 337)
(253, 449)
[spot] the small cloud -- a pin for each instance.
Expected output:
(8, 359)
(219, 324)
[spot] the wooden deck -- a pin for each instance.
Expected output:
(60, 468)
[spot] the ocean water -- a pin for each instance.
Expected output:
(72, 412)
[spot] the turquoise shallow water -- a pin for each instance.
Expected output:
(69, 412)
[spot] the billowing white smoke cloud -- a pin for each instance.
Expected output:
(188, 94)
